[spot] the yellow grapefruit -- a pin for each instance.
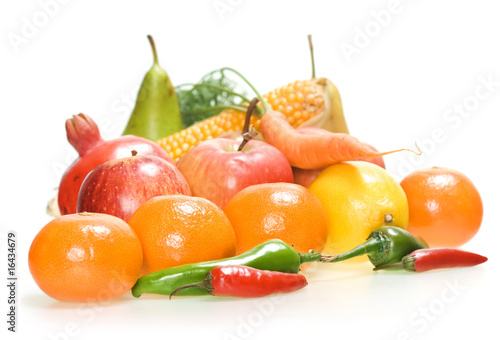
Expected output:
(356, 196)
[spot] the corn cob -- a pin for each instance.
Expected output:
(300, 101)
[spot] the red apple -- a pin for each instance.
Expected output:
(118, 187)
(215, 170)
(305, 177)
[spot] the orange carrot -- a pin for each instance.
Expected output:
(313, 150)
(308, 150)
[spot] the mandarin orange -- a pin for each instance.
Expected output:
(445, 207)
(85, 257)
(178, 229)
(285, 211)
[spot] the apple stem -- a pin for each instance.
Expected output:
(134, 153)
(248, 116)
(247, 136)
(249, 132)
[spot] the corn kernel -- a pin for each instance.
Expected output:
(298, 85)
(289, 89)
(310, 98)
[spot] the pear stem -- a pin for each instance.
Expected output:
(309, 37)
(155, 56)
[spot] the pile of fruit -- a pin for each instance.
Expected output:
(209, 191)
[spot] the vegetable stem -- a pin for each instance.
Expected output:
(264, 103)
(216, 87)
(248, 116)
(205, 284)
(312, 256)
(248, 135)
(155, 56)
(309, 37)
(398, 265)
(371, 246)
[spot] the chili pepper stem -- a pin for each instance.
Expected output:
(372, 245)
(398, 265)
(192, 285)
(205, 284)
(312, 256)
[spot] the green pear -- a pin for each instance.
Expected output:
(156, 113)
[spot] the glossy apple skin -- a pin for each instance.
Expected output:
(118, 187)
(215, 170)
(305, 177)
(113, 149)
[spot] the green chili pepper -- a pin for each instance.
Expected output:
(385, 245)
(273, 255)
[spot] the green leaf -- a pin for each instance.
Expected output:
(208, 97)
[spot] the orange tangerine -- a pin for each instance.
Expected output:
(178, 229)
(446, 209)
(285, 211)
(85, 257)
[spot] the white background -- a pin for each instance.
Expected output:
(411, 72)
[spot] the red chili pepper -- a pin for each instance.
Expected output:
(422, 260)
(243, 281)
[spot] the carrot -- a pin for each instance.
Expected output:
(313, 150)
(308, 150)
